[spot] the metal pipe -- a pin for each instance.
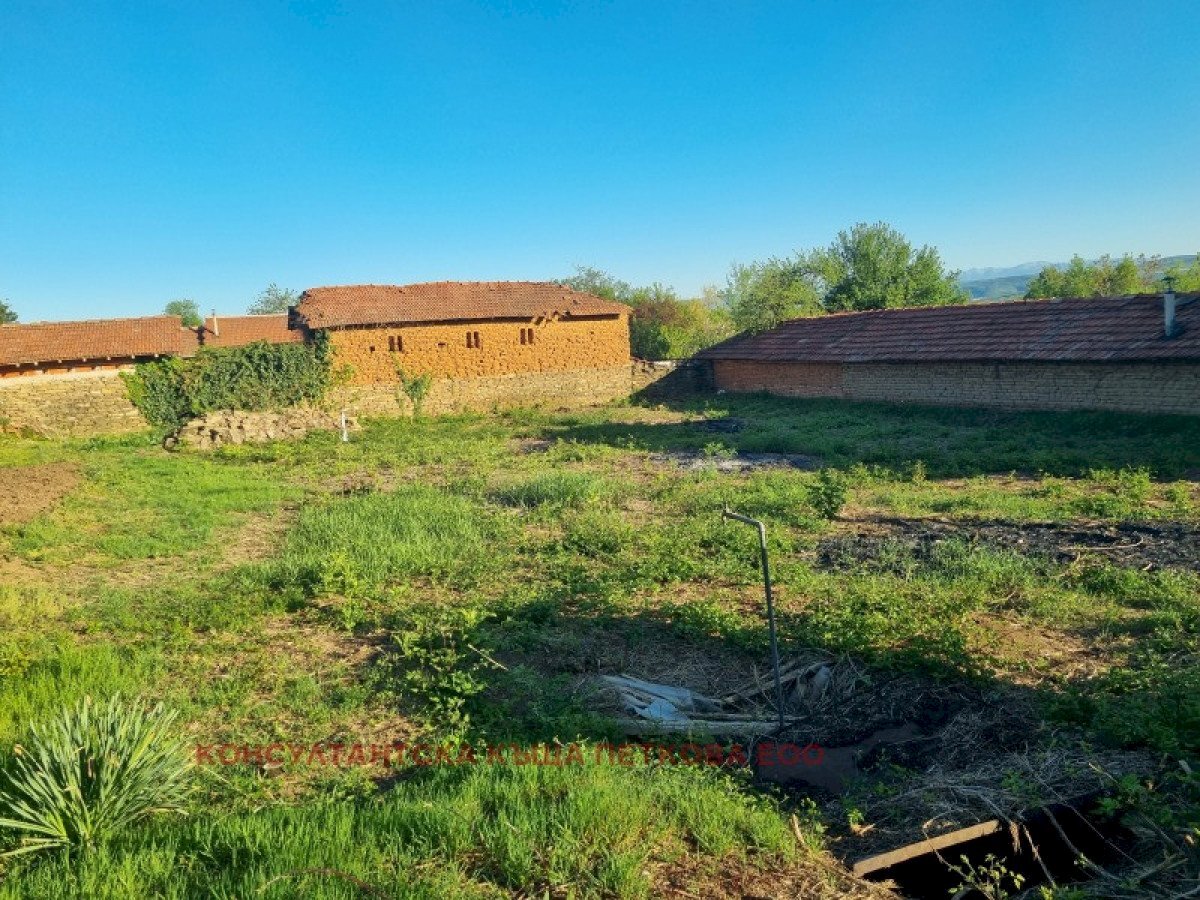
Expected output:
(1169, 307)
(766, 570)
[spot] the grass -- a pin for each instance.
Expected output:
(366, 542)
(452, 579)
(472, 831)
(144, 504)
(952, 443)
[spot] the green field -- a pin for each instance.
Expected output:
(1025, 588)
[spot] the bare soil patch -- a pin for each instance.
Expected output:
(690, 460)
(816, 876)
(258, 537)
(1136, 545)
(1016, 643)
(28, 491)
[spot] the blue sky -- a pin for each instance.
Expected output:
(158, 150)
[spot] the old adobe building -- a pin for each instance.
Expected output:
(1134, 354)
(485, 344)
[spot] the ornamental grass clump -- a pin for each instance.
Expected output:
(89, 772)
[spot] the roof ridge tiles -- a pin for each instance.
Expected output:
(374, 304)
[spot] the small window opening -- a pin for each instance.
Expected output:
(473, 340)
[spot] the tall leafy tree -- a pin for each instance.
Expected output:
(186, 310)
(876, 267)
(662, 325)
(761, 295)
(273, 299)
(591, 280)
(7, 314)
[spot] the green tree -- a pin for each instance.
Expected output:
(273, 299)
(661, 324)
(664, 326)
(7, 314)
(875, 267)
(591, 280)
(761, 295)
(1186, 278)
(186, 310)
(1102, 278)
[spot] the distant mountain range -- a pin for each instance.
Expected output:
(996, 283)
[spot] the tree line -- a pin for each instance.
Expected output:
(869, 266)
(1107, 277)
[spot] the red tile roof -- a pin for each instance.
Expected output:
(99, 339)
(445, 301)
(1100, 329)
(237, 331)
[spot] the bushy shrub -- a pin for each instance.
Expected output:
(254, 377)
(827, 493)
(434, 664)
(89, 772)
(156, 389)
(257, 376)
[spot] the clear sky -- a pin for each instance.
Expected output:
(154, 150)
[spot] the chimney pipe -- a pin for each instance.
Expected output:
(216, 329)
(1169, 308)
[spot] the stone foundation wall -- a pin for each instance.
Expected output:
(554, 390)
(69, 405)
(1122, 387)
(85, 404)
(223, 428)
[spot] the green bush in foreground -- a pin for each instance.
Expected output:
(90, 772)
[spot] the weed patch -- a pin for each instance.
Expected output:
(362, 543)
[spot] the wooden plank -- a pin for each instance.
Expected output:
(929, 845)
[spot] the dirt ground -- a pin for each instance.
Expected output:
(1135, 545)
(28, 491)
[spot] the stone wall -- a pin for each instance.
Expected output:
(219, 429)
(75, 405)
(552, 389)
(1126, 387)
(481, 349)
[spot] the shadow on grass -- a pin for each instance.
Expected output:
(950, 442)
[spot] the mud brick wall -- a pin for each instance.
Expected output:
(467, 350)
(551, 389)
(74, 405)
(1124, 387)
